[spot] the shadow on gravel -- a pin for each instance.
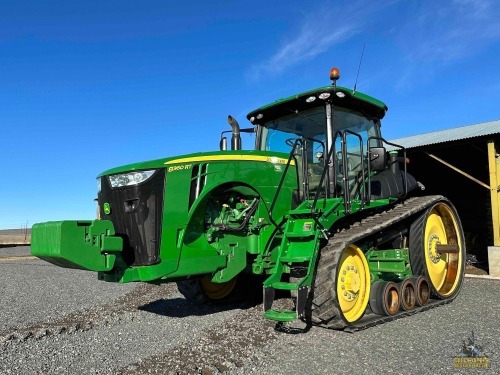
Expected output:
(291, 330)
(181, 308)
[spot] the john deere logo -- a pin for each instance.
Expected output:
(107, 208)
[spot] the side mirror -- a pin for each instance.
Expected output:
(377, 158)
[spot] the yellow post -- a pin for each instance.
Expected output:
(494, 168)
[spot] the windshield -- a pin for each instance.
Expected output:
(311, 125)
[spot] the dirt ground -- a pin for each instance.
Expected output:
(476, 269)
(15, 240)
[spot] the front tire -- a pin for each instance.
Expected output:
(204, 290)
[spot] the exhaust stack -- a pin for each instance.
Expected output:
(236, 138)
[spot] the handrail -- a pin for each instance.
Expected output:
(344, 148)
(280, 184)
(327, 167)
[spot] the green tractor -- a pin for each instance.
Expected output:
(322, 209)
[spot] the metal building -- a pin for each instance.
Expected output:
(463, 164)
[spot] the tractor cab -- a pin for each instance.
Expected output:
(328, 133)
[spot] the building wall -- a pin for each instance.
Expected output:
(473, 201)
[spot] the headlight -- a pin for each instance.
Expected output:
(98, 180)
(130, 178)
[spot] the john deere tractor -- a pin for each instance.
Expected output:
(322, 209)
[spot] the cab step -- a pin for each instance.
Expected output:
(280, 315)
(283, 285)
(288, 259)
(300, 235)
(285, 315)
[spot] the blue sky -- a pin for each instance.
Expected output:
(87, 86)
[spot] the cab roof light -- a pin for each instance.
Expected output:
(334, 75)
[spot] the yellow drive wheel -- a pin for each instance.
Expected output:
(353, 283)
(437, 249)
(217, 291)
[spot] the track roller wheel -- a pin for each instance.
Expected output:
(204, 290)
(385, 298)
(437, 249)
(422, 289)
(408, 294)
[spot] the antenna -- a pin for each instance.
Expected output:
(359, 67)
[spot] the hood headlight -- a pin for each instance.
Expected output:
(130, 178)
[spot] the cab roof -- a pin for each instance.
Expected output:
(337, 96)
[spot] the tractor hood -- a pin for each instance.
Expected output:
(221, 156)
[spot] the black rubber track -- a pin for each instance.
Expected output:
(416, 246)
(323, 308)
(417, 259)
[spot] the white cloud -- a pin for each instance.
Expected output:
(450, 30)
(307, 45)
(429, 33)
(324, 27)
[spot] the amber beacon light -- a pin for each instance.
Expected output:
(334, 74)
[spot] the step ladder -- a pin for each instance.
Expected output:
(294, 267)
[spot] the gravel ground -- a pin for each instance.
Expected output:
(141, 328)
(32, 290)
(424, 343)
(16, 251)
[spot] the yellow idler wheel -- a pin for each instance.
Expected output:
(353, 283)
(437, 249)
(217, 291)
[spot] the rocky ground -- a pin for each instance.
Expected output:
(62, 321)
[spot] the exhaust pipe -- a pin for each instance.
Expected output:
(236, 138)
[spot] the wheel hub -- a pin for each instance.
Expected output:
(434, 256)
(350, 282)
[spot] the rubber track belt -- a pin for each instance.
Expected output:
(365, 228)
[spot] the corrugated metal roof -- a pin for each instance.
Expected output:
(449, 135)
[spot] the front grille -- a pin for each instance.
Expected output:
(136, 213)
